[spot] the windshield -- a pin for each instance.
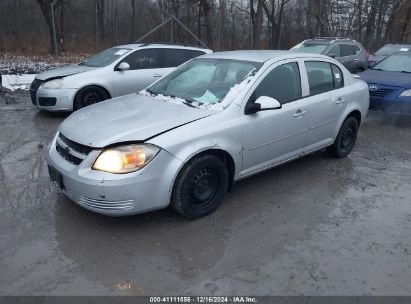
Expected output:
(315, 48)
(395, 63)
(204, 82)
(391, 49)
(105, 58)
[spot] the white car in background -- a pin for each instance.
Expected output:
(114, 72)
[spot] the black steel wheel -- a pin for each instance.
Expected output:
(88, 96)
(346, 138)
(200, 186)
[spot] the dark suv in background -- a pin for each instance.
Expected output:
(386, 51)
(347, 51)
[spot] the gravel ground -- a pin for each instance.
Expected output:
(316, 226)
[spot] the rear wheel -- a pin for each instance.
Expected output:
(88, 96)
(346, 139)
(200, 187)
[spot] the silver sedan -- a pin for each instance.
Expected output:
(114, 72)
(215, 120)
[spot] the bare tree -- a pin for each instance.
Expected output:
(50, 9)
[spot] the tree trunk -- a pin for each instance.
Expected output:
(256, 22)
(206, 8)
(100, 20)
(46, 7)
(132, 21)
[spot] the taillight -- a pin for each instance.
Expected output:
(367, 55)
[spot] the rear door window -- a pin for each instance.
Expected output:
(282, 83)
(335, 50)
(144, 59)
(175, 57)
(320, 77)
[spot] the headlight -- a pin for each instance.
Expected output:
(406, 93)
(53, 84)
(125, 159)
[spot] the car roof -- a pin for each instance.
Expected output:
(260, 55)
(402, 53)
(329, 40)
(399, 43)
(135, 46)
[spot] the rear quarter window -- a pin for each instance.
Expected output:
(338, 77)
(176, 57)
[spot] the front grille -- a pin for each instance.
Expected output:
(33, 89)
(105, 205)
(382, 92)
(47, 101)
(65, 153)
(100, 204)
(71, 151)
(83, 149)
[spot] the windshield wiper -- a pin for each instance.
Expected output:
(377, 69)
(151, 92)
(186, 101)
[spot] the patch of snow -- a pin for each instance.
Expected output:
(13, 64)
(161, 97)
(14, 82)
(231, 96)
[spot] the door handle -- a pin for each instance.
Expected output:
(299, 113)
(157, 75)
(339, 100)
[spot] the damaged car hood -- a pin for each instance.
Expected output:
(132, 117)
(64, 71)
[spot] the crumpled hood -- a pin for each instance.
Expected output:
(396, 79)
(64, 71)
(131, 117)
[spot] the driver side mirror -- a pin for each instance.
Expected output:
(123, 66)
(331, 55)
(263, 103)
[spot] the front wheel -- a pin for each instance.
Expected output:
(200, 187)
(88, 96)
(345, 140)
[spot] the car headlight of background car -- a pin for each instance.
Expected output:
(53, 84)
(406, 93)
(125, 159)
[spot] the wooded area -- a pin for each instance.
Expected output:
(84, 26)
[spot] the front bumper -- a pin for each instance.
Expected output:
(387, 98)
(54, 100)
(116, 194)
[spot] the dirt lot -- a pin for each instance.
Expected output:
(315, 226)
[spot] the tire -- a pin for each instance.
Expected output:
(200, 187)
(88, 96)
(345, 140)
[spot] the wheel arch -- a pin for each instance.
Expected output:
(356, 114)
(93, 85)
(352, 112)
(218, 152)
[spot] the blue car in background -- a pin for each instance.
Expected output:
(389, 83)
